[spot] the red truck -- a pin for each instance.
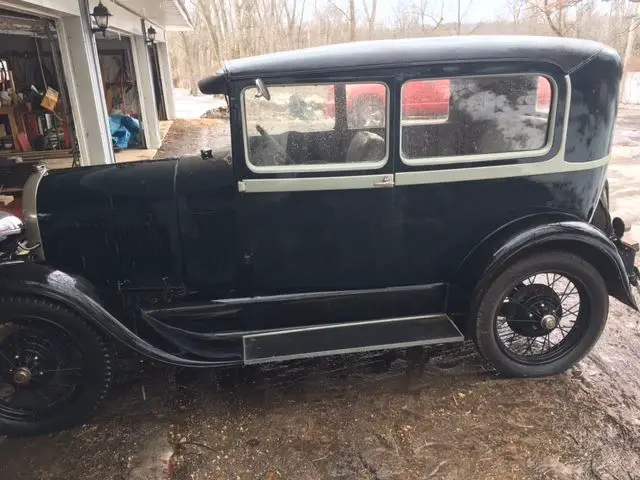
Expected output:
(420, 99)
(365, 101)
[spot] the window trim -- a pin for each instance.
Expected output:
(317, 167)
(485, 157)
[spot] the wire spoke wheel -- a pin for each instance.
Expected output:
(41, 368)
(540, 318)
(541, 314)
(55, 367)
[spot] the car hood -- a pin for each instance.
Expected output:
(119, 224)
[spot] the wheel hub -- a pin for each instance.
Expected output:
(535, 310)
(549, 322)
(21, 376)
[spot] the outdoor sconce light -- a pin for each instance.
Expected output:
(100, 16)
(151, 35)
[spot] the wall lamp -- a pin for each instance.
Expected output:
(151, 35)
(100, 16)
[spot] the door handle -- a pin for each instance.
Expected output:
(387, 181)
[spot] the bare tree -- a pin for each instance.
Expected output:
(555, 13)
(460, 17)
(437, 19)
(351, 17)
(205, 11)
(188, 50)
(225, 29)
(352, 20)
(515, 8)
(370, 15)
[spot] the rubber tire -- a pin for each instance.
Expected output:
(484, 332)
(97, 355)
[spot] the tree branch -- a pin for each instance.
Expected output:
(332, 3)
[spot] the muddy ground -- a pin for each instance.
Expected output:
(366, 416)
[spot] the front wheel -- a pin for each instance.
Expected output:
(55, 368)
(541, 315)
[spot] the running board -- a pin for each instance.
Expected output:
(335, 339)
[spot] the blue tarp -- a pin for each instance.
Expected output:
(125, 130)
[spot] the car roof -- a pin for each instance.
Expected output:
(567, 53)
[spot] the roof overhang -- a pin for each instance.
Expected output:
(169, 15)
(177, 16)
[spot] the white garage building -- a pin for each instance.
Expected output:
(95, 66)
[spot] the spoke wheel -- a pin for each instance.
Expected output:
(540, 315)
(41, 368)
(55, 368)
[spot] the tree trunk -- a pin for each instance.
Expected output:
(352, 20)
(188, 51)
(206, 13)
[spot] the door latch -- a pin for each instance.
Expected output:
(387, 181)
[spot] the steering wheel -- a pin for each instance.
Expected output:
(274, 143)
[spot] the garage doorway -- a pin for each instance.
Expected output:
(35, 118)
(121, 91)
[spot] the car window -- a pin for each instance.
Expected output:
(426, 101)
(316, 127)
(475, 116)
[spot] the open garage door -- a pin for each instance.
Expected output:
(35, 118)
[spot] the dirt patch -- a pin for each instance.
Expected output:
(187, 137)
(372, 416)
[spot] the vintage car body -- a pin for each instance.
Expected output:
(212, 260)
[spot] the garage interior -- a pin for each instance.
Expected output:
(121, 91)
(36, 123)
(35, 118)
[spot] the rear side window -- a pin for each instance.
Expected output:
(489, 115)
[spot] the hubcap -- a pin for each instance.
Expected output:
(21, 376)
(549, 322)
(41, 368)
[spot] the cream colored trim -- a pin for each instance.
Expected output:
(30, 211)
(486, 157)
(555, 165)
(316, 167)
(359, 182)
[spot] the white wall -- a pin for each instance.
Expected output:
(631, 88)
(148, 110)
(86, 95)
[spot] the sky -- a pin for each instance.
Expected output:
(477, 10)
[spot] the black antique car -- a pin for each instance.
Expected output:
(314, 233)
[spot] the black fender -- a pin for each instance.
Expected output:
(78, 295)
(532, 235)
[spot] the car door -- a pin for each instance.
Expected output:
(462, 175)
(316, 206)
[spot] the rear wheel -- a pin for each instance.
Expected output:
(541, 315)
(55, 369)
